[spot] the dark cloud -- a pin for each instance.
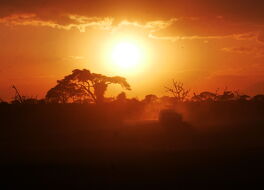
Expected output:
(173, 29)
(196, 19)
(246, 10)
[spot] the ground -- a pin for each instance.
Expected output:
(41, 145)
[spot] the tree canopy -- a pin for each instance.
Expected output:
(82, 85)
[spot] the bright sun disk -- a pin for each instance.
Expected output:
(126, 55)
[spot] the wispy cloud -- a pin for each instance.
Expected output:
(196, 37)
(246, 36)
(82, 23)
(154, 29)
(250, 50)
(78, 22)
(77, 57)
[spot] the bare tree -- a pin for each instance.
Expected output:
(178, 91)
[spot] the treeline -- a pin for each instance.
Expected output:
(84, 87)
(205, 96)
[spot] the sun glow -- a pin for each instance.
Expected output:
(126, 55)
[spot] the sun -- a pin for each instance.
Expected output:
(126, 55)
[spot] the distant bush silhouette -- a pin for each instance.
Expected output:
(226, 96)
(258, 98)
(83, 85)
(207, 96)
(20, 99)
(121, 97)
(204, 96)
(151, 99)
(28, 101)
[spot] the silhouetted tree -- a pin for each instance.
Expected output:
(64, 92)
(83, 84)
(178, 91)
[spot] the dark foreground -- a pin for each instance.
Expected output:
(58, 148)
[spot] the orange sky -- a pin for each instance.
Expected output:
(206, 44)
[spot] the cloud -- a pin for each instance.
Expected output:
(193, 28)
(246, 10)
(82, 23)
(142, 28)
(77, 22)
(173, 29)
(150, 25)
(77, 57)
(203, 28)
(69, 22)
(176, 38)
(250, 50)
(246, 36)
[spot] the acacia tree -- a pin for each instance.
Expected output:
(82, 84)
(64, 92)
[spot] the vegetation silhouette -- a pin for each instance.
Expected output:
(178, 91)
(81, 86)
(71, 137)
(20, 99)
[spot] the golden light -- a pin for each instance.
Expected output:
(126, 55)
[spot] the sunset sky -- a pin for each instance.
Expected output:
(203, 43)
